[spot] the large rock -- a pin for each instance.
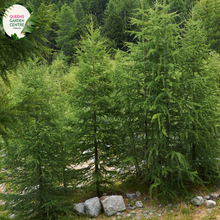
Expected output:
(80, 208)
(92, 207)
(210, 204)
(112, 204)
(197, 201)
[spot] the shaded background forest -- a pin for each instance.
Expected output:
(131, 86)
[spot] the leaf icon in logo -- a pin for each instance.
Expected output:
(14, 37)
(29, 25)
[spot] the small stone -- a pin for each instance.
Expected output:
(214, 195)
(169, 205)
(159, 215)
(202, 212)
(131, 207)
(119, 214)
(171, 211)
(131, 196)
(12, 216)
(139, 204)
(128, 215)
(197, 201)
(104, 194)
(145, 215)
(209, 210)
(210, 203)
(159, 205)
(138, 194)
(207, 197)
(133, 212)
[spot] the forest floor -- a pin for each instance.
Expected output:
(173, 211)
(176, 211)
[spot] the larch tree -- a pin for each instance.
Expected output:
(208, 11)
(66, 35)
(14, 53)
(199, 111)
(92, 106)
(38, 155)
(155, 100)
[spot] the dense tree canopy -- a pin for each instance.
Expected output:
(130, 95)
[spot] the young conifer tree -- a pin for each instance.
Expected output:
(66, 35)
(92, 106)
(199, 111)
(155, 72)
(36, 156)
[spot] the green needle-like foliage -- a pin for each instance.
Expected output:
(94, 124)
(199, 102)
(14, 52)
(66, 34)
(38, 156)
(152, 98)
(208, 11)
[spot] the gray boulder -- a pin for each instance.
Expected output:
(139, 204)
(131, 196)
(197, 201)
(92, 207)
(112, 204)
(80, 208)
(210, 204)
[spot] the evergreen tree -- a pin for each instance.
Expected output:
(199, 103)
(92, 104)
(66, 35)
(37, 155)
(97, 8)
(208, 11)
(114, 30)
(117, 22)
(78, 11)
(13, 53)
(178, 6)
(154, 83)
(189, 4)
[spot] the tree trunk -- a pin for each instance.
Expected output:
(95, 140)
(165, 74)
